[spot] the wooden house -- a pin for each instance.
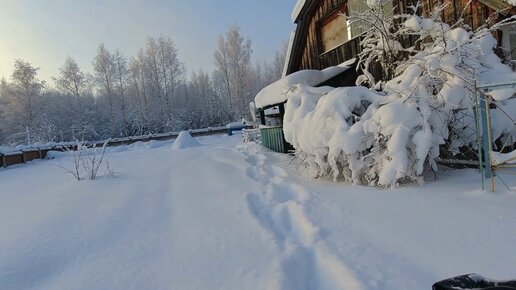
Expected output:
(325, 38)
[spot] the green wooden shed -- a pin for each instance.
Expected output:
(272, 135)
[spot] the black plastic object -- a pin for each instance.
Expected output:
(473, 282)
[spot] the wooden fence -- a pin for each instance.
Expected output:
(29, 154)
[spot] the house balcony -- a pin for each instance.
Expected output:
(340, 54)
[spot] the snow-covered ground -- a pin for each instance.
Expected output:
(226, 216)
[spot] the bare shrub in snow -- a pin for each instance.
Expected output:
(87, 161)
(76, 158)
(93, 160)
(382, 137)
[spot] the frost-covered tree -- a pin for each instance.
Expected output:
(2, 107)
(198, 100)
(147, 93)
(164, 73)
(104, 77)
(22, 104)
(277, 65)
(265, 73)
(111, 79)
(121, 85)
(233, 70)
(138, 89)
(58, 115)
(76, 84)
(204, 99)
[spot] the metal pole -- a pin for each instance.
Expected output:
(486, 126)
(479, 136)
(490, 143)
(484, 107)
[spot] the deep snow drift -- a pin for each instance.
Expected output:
(227, 216)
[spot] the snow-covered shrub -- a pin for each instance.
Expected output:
(93, 159)
(381, 42)
(382, 137)
(87, 161)
(77, 159)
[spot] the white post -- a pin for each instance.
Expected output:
(28, 134)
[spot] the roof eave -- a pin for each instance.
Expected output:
(308, 5)
(503, 7)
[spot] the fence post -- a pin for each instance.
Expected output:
(490, 143)
(484, 108)
(479, 135)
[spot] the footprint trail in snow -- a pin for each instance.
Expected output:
(306, 261)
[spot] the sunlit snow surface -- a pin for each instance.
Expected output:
(226, 216)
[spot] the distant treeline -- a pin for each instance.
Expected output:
(146, 93)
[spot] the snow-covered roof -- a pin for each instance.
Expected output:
(289, 53)
(300, 5)
(276, 93)
(236, 125)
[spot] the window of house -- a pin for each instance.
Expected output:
(510, 42)
(356, 6)
(336, 29)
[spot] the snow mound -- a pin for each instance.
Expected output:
(185, 140)
(55, 154)
(278, 92)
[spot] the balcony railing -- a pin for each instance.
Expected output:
(340, 54)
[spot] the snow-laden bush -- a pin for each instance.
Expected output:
(87, 161)
(381, 137)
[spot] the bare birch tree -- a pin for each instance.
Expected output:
(77, 84)
(233, 68)
(22, 110)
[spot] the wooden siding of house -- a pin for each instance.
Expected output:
(307, 50)
(340, 54)
(310, 45)
(474, 13)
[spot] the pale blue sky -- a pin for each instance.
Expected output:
(44, 32)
